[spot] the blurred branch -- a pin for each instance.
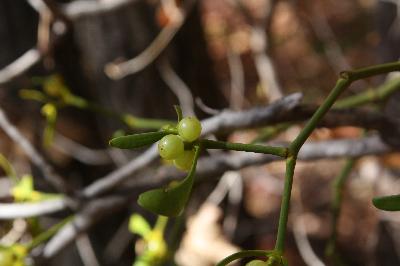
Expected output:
(116, 177)
(303, 244)
(136, 64)
(259, 47)
(206, 109)
(24, 210)
(325, 33)
(236, 73)
(91, 213)
(264, 66)
(19, 227)
(20, 65)
(48, 172)
(177, 86)
(83, 8)
(80, 152)
(86, 251)
(74, 10)
(228, 120)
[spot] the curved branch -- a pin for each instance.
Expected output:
(145, 58)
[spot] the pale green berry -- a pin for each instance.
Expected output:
(185, 161)
(256, 263)
(189, 128)
(170, 147)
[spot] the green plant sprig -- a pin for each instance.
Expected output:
(371, 95)
(344, 81)
(171, 201)
(156, 250)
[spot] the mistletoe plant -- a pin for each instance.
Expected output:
(182, 144)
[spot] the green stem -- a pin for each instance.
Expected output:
(284, 214)
(371, 95)
(341, 85)
(344, 81)
(337, 192)
(370, 71)
(161, 223)
(244, 254)
(221, 145)
(47, 234)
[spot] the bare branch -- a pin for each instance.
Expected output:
(31, 209)
(20, 65)
(93, 212)
(86, 251)
(303, 244)
(236, 73)
(264, 66)
(259, 116)
(74, 10)
(177, 86)
(83, 8)
(118, 176)
(80, 152)
(136, 64)
(48, 172)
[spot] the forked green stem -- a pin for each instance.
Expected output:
(370, 95)
(344, 81)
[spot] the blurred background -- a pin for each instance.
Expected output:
(75, 73)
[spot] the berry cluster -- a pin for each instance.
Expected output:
(172, 147)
